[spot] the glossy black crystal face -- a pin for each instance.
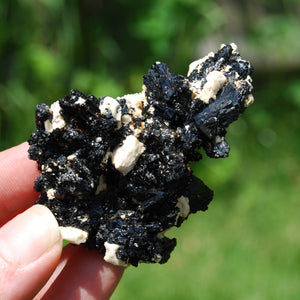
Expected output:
(116, 170)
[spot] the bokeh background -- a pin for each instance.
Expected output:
(247, 245)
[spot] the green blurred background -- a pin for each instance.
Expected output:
(247, 245)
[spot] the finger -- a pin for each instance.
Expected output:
(85, 276)
(17, 175)
(68, 251)
(30, 248)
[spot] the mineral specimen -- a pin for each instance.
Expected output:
(115, 171)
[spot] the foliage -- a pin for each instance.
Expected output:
(246, 246)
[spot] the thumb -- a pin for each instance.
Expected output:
(30, 247)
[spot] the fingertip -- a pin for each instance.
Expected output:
(29, 235)
(30, 248)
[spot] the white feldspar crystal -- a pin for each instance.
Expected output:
(126, 119)
(214, 82)
(51, 193)
(80, 101)
(58, 121)
(71, 156)
(219, 139)
(183, 205)
(111, 254)
(48, 126)
(135, 103)
(234, 47)
(249, 100)
(109, 104)
(124, 157)
(73, 235)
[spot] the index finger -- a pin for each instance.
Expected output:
(17, 175)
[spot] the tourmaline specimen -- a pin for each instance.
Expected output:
(115, 171)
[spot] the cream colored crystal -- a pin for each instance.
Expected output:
(111, 254)
(73, 235)
(125, 157)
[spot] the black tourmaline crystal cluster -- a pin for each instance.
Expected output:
(114, 171)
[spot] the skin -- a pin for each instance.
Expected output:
(33, 264)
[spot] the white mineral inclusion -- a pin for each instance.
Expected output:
(58, 121)
(249, 100)
(126, 119)
(80, 101)
(184, 206)
(134, 102)
(111, 254)
(219, 139)
(157, 258)
(214, 82)
(124, 157)
(71, 157)
(51, 194)
(109, 104)
(73, 235)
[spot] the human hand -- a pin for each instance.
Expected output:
(32, 262)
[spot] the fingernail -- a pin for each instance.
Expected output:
(29, 235)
